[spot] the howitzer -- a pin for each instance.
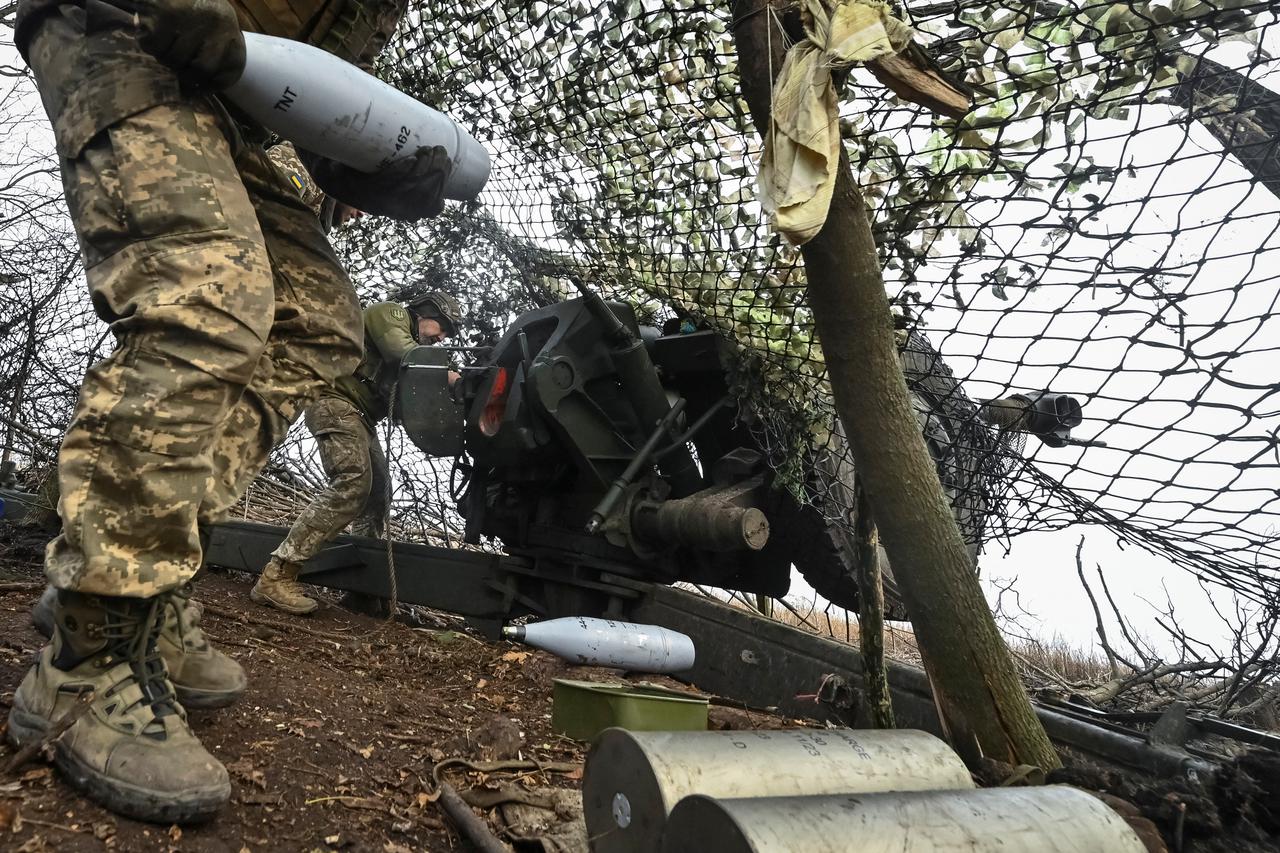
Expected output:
(600, 446)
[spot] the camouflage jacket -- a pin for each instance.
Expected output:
(104, 76)
(285, 156)
(354, 30)
(388, 337)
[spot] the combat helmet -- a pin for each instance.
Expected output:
(437, 306)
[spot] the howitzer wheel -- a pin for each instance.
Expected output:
(826, 556)
(971, 460)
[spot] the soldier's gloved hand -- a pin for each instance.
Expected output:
(407, 190)
(199, 39)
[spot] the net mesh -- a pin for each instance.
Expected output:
(1102, 224)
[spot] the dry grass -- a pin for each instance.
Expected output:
(1059, 661)
(1043, 663)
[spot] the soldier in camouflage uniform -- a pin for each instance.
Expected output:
(202, 676)
(230, 312)
(331, 212)
(343, 422)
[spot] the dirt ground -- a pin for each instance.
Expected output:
(346, 717)
(333, 745)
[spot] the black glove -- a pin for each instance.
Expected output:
(408, 189)
(199, 39)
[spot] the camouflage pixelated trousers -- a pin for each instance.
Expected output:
(358, 479)
(230, 312)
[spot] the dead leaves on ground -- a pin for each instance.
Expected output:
(244, 770)
(10, 817)
(306, 735)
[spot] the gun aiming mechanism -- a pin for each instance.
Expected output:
(601, 446)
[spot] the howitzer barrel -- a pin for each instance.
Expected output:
(1048, 416)
(1007, 412)
(708, 524)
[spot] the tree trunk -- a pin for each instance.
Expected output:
(875, 676)
(985, 703)
(21, 377)
(1241, 113)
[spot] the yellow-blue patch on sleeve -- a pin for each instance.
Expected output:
(296, 181)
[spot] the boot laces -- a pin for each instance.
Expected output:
(131, 637)
(187, 619)
(285, 583)
(291, 586)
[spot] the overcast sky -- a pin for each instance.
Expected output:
(1161, 428)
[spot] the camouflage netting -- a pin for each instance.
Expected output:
(1102, 224)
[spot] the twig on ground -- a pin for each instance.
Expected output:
(420, 739)
(51, 825)
(486, 799)
(725, 702)
(304, 770)
(350, 801)
(458, 632)
(496, 766)
(281, 627)
(476, 830)
(57, 730)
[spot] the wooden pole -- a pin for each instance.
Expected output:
(978, 689)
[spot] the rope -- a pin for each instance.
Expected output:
(389, 495)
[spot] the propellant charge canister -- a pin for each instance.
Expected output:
(1051, 819)
(633, 780)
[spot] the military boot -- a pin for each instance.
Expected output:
(131, 749)
(278, 587)
(202, 676)
(42, 613)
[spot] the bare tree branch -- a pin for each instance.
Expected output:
(1097, 614)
